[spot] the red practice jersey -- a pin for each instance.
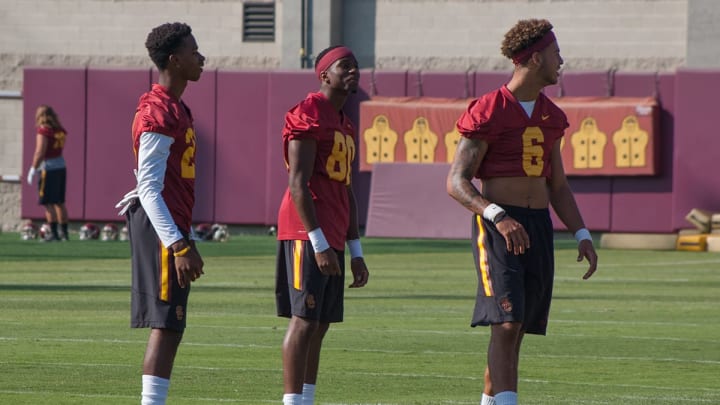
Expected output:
(158, 111)
(315, 118)
(56, 141)
(518, 145)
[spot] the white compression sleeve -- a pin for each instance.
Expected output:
(152, 161)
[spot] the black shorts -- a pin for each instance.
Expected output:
(301, 289)
(157, 300)
(514, 288)
(51, 187)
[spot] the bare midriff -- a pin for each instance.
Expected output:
(528, 192)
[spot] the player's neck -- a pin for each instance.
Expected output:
(524, 86)
(175, 86)
(336, 98)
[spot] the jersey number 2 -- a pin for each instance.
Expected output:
(188, 159)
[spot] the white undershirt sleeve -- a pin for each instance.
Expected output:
(153, 153)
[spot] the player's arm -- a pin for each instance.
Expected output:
(357, 261)
(563, 202)
(41, 144)
(301, 162)
(153, 153)
(468, 157)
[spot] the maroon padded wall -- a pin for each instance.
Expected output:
(112, 97)
(285, 89)
(447, 84)
(695, 182)
(242, 136)
(592, 194)
(409, 200)
(486, 82)
(651, 195)
(372, 82)
(64, 91)
(240, 163)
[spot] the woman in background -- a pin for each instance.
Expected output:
(49, 164)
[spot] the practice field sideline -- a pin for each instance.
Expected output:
(643, 330)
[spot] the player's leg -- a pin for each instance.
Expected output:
(157, 302)
(60, 209)
(488, 395)
(160, 352)
(503, 356)
(313, 363)
(296, 348)
(296, 298)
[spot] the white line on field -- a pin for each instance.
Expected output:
(418, 352)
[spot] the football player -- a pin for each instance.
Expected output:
(159, 211)
(511, 141)
(317, 218)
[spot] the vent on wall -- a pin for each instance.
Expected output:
(259, 22)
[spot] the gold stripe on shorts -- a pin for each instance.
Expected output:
(164, 273)
(297, 264)
(482, 257)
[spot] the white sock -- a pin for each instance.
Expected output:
(154, 390)
(506, 398)
(308, 394)
(487, 400)
(292, 399)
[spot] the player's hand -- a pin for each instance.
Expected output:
(327, 262)
(586, 250)
(30, 175)
(516, 238)
(189, 267)
(360, 272)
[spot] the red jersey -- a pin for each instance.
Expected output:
(315, 118)
(518, 145)
(159, 111)
(56, 141)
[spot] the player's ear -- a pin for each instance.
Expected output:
(173, 60)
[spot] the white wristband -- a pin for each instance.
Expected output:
(355, 248)
(492, 211)
(582, 234)
(318, 241)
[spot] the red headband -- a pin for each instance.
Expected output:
(525, 54)
(329, 58)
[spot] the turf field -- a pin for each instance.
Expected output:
(644, 330)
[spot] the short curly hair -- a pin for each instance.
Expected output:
(165, 39)
(524, 34)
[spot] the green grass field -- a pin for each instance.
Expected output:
(644, 330)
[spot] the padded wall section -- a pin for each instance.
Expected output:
(285, 89)
(651, 196)
(372, 82)
(242, 120)
(112, 97)
(64, 90)
(409, 201)
(447, 84)
(695, 181)
(486, 82)
(593, 199)
(593, 194)
(581, 84)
